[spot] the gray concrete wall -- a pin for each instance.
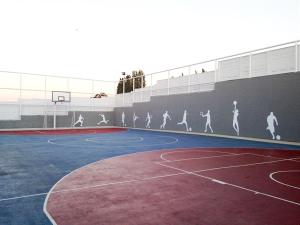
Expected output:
(256, 98)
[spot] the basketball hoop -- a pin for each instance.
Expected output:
(59, 96)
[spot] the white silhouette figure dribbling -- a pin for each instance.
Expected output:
(134, 118)
(184, 121)
(123, 119)
(148, 120)
(103, 119)
(271, 121)
(165, 117)
(79, 121)
(208, 121)
(235, 122)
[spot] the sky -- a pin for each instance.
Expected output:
(100, 39)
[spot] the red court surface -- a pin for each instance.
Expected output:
(205, 186)
(62, 131)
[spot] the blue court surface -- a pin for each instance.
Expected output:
(31, 164)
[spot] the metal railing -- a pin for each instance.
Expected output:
(202, 76)
(22, 93)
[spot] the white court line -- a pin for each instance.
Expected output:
(162, 156)
(92, 186)
(113, 140)
(173, 141)
(245, 165)
(134, 180)
(144, 179)
(117, 182)
(206, 157)
(286, 171)
(155, 177)
(275, 157)
(23, 196)
(232, 185)
(32, 143)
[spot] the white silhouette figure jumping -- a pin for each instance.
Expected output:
(271, 121)
(103, 119)
(135, 117)
(123, 119)
(208, 121)
(184, 121)
(165, 117)
(235, 122)
(79, 121)
(148, 120)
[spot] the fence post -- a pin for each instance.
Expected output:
(20, 96)
(46, 103)
(151, 85)
(168, 82)
(142, 87)
(133, 88)
(93, 93)
(250, 65)
(123, 90)
(189, 79)
(216, 67)
(296, 57)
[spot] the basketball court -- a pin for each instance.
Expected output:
(120, 176)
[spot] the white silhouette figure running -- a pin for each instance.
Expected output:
(184, 121)
(208, 121)
(165, 117)
(123, 119)
(103, 119)
(80, 120)
(135, 117)
(148, 120)
(271, 121)
(235, 122)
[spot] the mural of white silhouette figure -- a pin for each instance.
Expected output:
(184, 121)
(148, 120)
(165, 117)
(271, 121)
(123, 119)
(103, 119)
(208, 121)
(79, 121)
(235, 122)
(134, 118)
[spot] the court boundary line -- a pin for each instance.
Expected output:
(245, 165)
(288, 185)
(233, 185)
(160, 176)
(128, 181)
(200, 158)
(228, 155)
(175, 140)
(98, 140)
(173, 152)
(23, 196)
